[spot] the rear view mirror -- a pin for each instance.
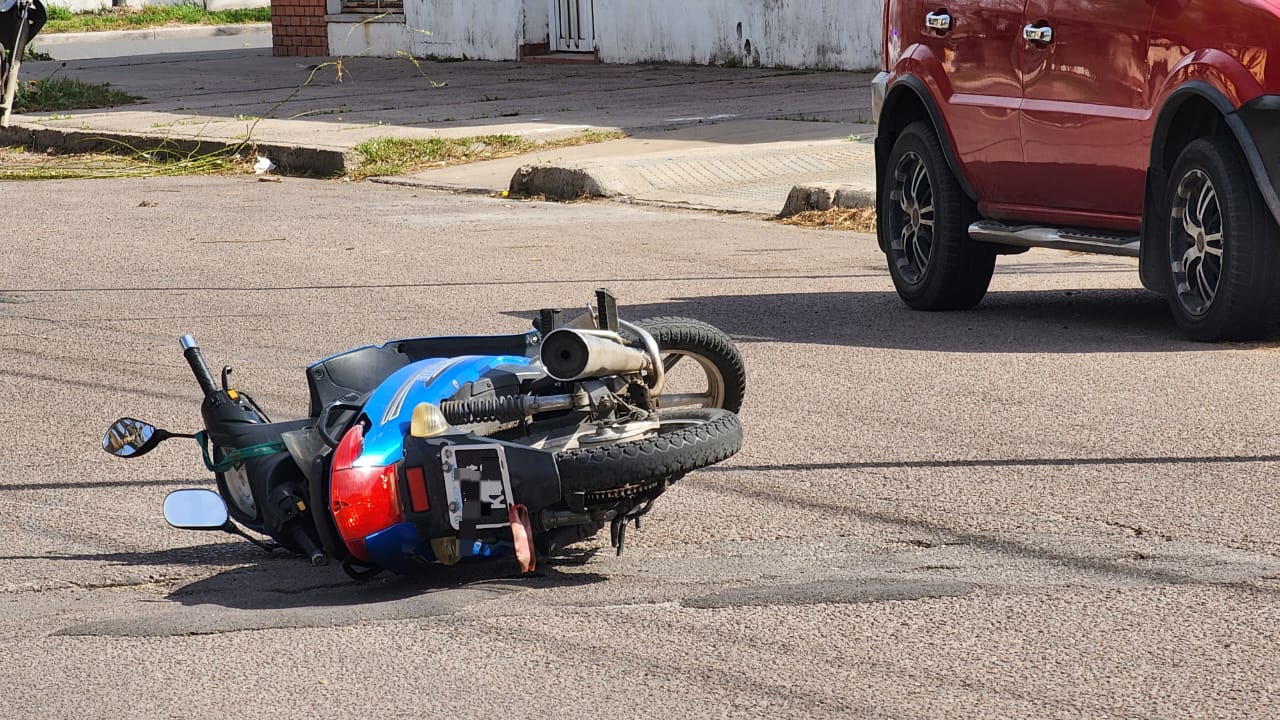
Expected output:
(128, 437)
(195, 510)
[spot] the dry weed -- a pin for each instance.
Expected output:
(853, 219)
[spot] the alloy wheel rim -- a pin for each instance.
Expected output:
(911, 221)
(1196, 242)
(710, 396)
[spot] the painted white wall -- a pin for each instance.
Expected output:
(235, 4)
(537, 23)
(828, 34)
(477, 29)
(354, 34)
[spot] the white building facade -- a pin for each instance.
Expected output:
(816, 34)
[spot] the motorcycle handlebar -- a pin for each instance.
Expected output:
(191, 352)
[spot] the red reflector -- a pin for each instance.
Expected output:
(364, 500)
(417, 490)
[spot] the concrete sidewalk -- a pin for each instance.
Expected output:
(735, 139)
(150, 41)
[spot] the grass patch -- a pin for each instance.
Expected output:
(66, 93)
(62, 20)
(853, 219)
(396, 156)
(16, 164)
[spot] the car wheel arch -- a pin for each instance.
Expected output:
(1198, 109)
(1194, 110)
(908, 100)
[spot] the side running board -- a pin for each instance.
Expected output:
(1090, 241)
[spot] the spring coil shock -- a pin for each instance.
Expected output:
(505, 408)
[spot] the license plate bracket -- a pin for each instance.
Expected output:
(478, 485)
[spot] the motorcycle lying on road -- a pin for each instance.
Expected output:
(430, 451)
(20, 21)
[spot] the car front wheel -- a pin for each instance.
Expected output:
(924, 226)
(1224, 246)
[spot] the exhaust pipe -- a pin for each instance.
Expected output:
(569, 354)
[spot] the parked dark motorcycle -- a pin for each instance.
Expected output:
(430, 451)
(20, 21)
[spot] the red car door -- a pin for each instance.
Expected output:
(1086, 111)
(969, 51)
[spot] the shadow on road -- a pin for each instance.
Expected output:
(1044, 321)
(292, 583)
(258, 591)
(256, 580)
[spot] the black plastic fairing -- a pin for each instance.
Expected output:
(535, 480)
(360, 371)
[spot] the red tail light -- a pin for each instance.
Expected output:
(364, 500)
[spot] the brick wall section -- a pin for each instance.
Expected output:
(298, 28)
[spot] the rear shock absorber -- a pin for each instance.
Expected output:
(505, 408)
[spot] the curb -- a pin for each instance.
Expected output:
(569, 183)
(157, 33)
(549, 181)
(558, 183)
(289, 159)
(825, 197)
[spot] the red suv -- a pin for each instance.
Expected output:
(1148, 128)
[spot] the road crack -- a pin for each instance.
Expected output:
(161, 583)
(1139, 531)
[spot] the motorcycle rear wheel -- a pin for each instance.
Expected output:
(687, 439)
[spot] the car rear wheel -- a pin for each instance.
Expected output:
(1224, 246)
(924, 226)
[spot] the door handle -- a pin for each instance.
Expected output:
(1038, 34)
(939, 21)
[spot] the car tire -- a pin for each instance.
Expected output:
(924, 225)
(1223, 244)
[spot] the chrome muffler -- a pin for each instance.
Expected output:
(570, 354)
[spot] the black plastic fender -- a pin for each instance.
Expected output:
(886, 133)
(1256, 129)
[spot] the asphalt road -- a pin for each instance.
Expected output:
(1051, 506)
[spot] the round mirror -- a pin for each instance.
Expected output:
(195, 510)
